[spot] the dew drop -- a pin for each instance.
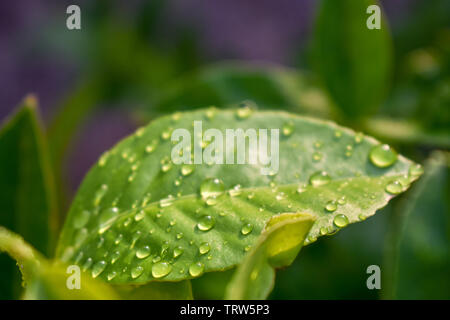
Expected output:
(111, 275)
(166, 202)
(161, 269)
(98, 268)
(196, 269)
(206, 223)
(204, 248)
(342, 201)
(212, 187)
(415, 170)
(359, 136)
(99, 194)
(331, 206)
(287, 129)
(319, 178)
(340, 220)
(246, 229)
(187, 169)
(317, 156)
(382, 156)
(394, 187)
(139, 216)
(118, 239)
(235, 191)
(136, 272)
(244, 112)
(152, 146)
(323, 231)
(178, 251)
(143, 252)
(115, 256)
(87, 264)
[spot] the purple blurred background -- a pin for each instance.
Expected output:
(36, 57)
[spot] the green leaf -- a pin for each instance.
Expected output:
(228, 84)
(136, 210)
(353, 61)
(44, 279)
(27, 202)
(422, 251)
(277, 246)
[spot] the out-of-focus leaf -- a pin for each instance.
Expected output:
(228, 84)
(353, 61)
(27, 200)
(138, 217)
(407, 132)
(422, 260)
(47, 280)
(278, 245)
(157, 291)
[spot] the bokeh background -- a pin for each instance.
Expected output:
(97, 81)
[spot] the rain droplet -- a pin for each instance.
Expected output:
(319, 178)
(115, 256)
(161, 269)
(323, 231)
(143, 252)
(359, 136)
(246, 229)
(415, 170)
(187, 169)
(99, 194)
(340, 220)
(98, 268)
(136, 272)
(152, 146)
(87, 264)
(178, 251)
(342, 201)
(118, 239)
(206, 223)
(166, 164)
(317, 156)
(204, 248)
(331, 206)
(244, 112)
(166, 202)
(111, 275)
(287, 129)
(196, 269)
(382, 156)
(394, 187)
(140, 215)
(212, 187)
(236, 191)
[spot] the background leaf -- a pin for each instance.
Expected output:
(228, 84)
(124, 220)
(353, 61)
(44, 279)
(27, 202)
(421, 258)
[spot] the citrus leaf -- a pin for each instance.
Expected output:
(138, 217)
(277, 246)
(422, 242)
(352, 60)
(228, 84)
(27, 200)
(44, 279)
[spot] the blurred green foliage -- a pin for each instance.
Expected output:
(393, 86)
